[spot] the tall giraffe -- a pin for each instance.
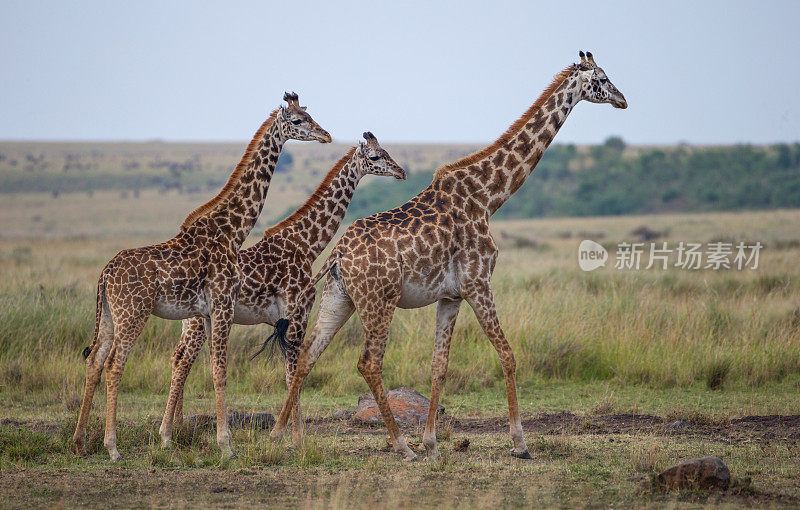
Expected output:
(193, 274)
(277, 268)
(437, 248)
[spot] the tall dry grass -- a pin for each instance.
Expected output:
(671, 328)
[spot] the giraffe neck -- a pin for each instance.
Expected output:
(233, 212)
(492, 175)
(315, 223)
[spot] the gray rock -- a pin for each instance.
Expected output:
(343, 414)
(676, 425)
(408, 406)
(703, 473)
(260, 421)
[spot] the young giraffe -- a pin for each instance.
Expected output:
(276, 269)
(193, 274)
(437, 248)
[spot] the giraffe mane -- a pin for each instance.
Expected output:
(235, 176)
(513, 129)
(314, 198)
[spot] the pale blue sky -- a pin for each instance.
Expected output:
(696, 71)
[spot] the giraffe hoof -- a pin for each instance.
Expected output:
(525, 454)
(433, 456)
(410, 457)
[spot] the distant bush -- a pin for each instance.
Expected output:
(608, 180)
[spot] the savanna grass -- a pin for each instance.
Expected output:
(664, 329)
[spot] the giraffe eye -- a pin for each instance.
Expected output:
(374, 158)
(296, 121)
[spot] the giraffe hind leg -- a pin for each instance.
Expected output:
(128, 327)
(334, 310)
(193, 336)
(95, 359)
(376, 318)
(446, 315)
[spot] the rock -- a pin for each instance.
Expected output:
(344, 414)
(703, 473)
(258, 421)
(408, 407)
(200, 421)
(236, 419)
(676, 425)
(462, 445)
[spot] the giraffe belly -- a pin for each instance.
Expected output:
(423, 286)
(418, 294)
(178, 307)
(177, 311)
(248, 314)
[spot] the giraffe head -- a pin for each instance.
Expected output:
(595, 85)
(373, 159)
(297, 124)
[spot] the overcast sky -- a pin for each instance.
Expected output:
(696, 71)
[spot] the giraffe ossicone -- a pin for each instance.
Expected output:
(437, 248)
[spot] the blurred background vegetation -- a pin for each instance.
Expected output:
(607, 179)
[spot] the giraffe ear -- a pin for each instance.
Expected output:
(304, 108)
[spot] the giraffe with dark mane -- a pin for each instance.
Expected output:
(437, 248)
(194, 274)
(277, 268)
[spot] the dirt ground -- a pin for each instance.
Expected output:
(574, 456)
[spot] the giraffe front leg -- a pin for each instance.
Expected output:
(446, 314)
(369, 364)
(193, 336)
(482, 302)
(220, 327)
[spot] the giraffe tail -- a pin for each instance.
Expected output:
(101, 296)
(278, 336)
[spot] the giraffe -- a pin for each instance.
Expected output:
(193, 274)
(277, 268)
(437, 248)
